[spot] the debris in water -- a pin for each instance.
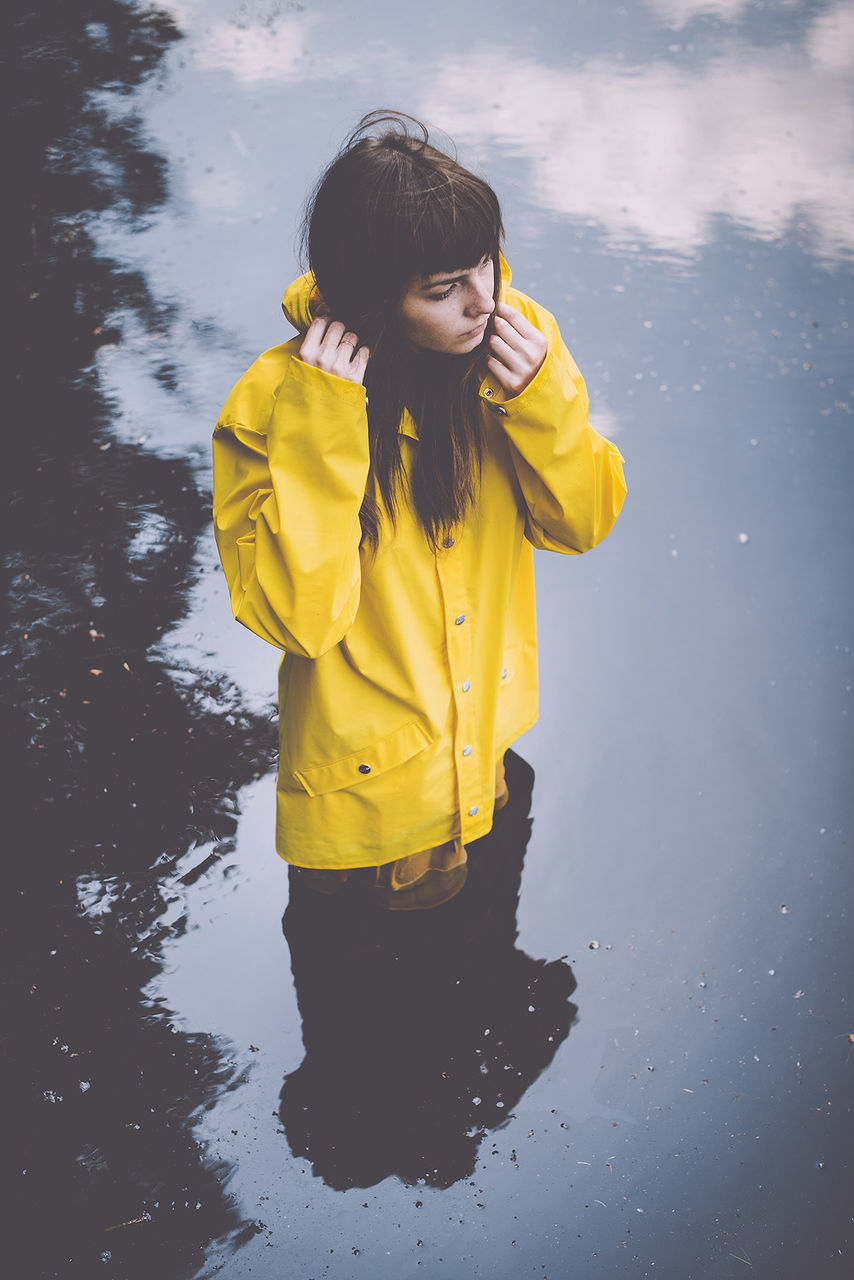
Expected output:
(131, 1222)
(743, 537)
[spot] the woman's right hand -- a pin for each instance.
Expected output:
(329, 346)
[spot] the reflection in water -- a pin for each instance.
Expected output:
(116, 765)
(276, 51)
(762, 136)
(422, 1030)
(678, 13)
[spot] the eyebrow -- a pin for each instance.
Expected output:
(434, 282)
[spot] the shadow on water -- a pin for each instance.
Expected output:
(117, 765)
(422, 1030)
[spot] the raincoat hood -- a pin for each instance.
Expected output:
(301, 298)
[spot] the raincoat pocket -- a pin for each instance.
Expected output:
(375, 758)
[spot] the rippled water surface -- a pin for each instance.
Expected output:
(627, 1048)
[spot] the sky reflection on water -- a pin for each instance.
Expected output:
(709, 123)
(659, 151)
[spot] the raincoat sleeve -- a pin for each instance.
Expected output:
(571, 477)
(291, 462)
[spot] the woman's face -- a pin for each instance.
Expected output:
(449, 312)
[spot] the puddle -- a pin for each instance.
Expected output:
(626, 1045)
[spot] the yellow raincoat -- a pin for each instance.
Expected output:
(407, 675)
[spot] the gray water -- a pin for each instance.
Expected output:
(677, 179)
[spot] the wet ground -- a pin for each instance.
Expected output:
(627, 1049)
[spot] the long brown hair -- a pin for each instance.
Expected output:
(389, 208)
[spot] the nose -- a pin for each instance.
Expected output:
(481, 302)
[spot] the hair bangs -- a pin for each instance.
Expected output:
(455, 229)
(429, 215)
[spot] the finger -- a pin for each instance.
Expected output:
(349, 362)
(313, 337)
(515, 359)
(346, 349)
(501, 374)
(508, 334)
(512, 384)
(516, 320)
(360, 361)
(332, 337)
(342, 363)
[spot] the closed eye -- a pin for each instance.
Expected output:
(485, 262)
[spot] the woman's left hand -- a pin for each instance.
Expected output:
(516, 349)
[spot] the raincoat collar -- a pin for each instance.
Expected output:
(302, 296)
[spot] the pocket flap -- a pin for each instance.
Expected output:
(373, 759)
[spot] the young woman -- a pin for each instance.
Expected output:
(379, 483)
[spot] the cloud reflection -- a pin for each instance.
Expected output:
(260, 46)
(763, 137)
(275, 50)
(678, 13)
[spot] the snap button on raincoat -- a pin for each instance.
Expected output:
(405, 675)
